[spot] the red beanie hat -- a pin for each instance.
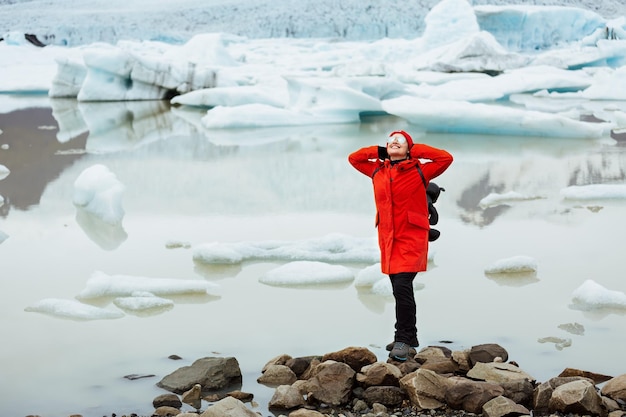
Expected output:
(409, 139)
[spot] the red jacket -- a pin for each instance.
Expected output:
(401, 205)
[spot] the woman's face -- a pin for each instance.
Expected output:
(397, 147)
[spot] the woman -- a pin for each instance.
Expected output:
(400, 173)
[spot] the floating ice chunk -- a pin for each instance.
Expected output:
(175, 244)
(98, 191)
(594, 192)
(141, 300)
(72, 309)
(591, 295)
(219, 253)
(231, 96)
(103, 285)
(513, 265)
(495, 199)
(4, 171)
(450, 116)
(3, 236)
(573, 328)
(369, 276)
(330, 248)
(383, 287)
(307, 273)
(559, 343)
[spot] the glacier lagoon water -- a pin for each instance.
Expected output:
(188, 185)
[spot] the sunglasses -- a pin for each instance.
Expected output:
(400, 139)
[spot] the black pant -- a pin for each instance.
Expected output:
(406, 320)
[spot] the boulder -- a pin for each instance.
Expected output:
(615, 388)
(379, 373)
(497, 372)
(462, 358)
(432, 352)
(487, 352)
(426, 389)
(303, 412)
(286, 397)
(300, 365)
(390, 396)
(277, 375)
(596, 378)
(501, 406)
(577, 397)
(277, 360)
(228, 407)
(441, 365)
(193, 397)
(332, 383)
(355, 357)
(543, 392)
(466, 394)
(169, 400)
(166, 411)
(212, 373)
(520, 391)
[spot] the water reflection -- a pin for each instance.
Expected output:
(263, 168)
(33, 155)
(106, 235)
(519, 279)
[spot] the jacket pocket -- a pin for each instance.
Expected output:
(418, 220)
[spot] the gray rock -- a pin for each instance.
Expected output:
(389, 396)
(169, 400)
(229, 407)
(277, 375)
(379, 373)
(616, 388)
(497, 372)
(332, 383)
(502, 406)
(487, 352)
(468, 395)
(426, 389)
(578, 397)
(286, 397)
(355, 357)
(543, 392)
(211, 373)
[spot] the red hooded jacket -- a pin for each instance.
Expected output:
(401, 204)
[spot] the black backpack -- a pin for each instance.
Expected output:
(432, 194)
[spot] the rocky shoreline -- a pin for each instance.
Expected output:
(434, 382)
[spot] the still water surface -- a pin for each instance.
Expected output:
(189, 185)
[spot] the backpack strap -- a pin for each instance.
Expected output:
(421, 175)
(418, 170)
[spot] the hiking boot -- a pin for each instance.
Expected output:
(400, 351)
(413, 348)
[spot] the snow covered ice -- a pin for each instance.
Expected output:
(514, 264)
(98, 191)
(329, 248)
(591, 295)
(307, 273)
(437, 80)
